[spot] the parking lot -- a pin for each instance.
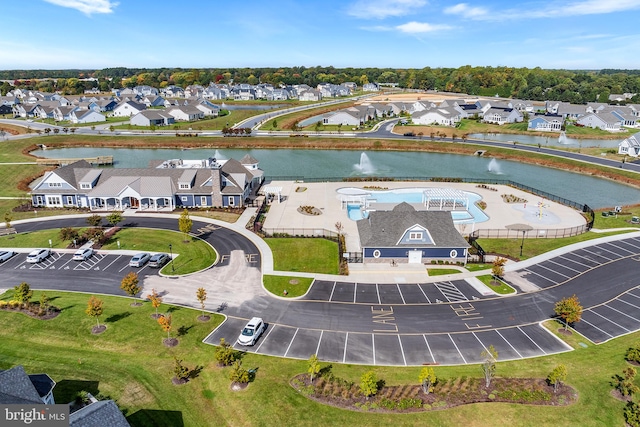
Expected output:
(393, 349)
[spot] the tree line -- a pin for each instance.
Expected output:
(575, 86)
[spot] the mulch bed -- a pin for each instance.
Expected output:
(204, 318)
(52, 313)
(170, 342)
(96, 330)
(179, 381)
(446, 394)
(238, 386)
(156, 315)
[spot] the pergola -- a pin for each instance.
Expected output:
(445, 199)
(273, 190)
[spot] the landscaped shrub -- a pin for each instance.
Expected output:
(225, 354)
(633, 353)
(632, 414)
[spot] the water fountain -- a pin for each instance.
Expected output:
(562, 139)
(218, 155)
(365, 166)
(494, 167)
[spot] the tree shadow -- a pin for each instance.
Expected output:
(67, 307)
(195, 372)
(183, 330)
(172, 309)
(154, 417)
(325, 370)
(252, 374)
(115, 317)
(222, 307)
(381, 384)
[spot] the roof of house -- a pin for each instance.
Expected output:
(99, 414)
(16, 387)
(385, 228)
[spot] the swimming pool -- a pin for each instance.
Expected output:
(358, 200)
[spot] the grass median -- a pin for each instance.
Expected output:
(309, 255)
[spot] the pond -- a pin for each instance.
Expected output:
(332, 164)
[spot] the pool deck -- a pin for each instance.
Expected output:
(284, 217)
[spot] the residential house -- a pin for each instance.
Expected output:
(404, 234)
(193, 90)
(243, 92)
(546, 123)
(6, 109)
(310, 95)
(604, 121)
(152, 118)
(172, 91)
(128, 109)
(172, 184)
(63, 113)
(522, 105)
(370, 87)
(44, 111)
(86, 116)
(145, 90)
(16, 387)
(571, 111)
(186, 113)
(501, 116)
(98, 413)
(447, 116)
(153, 101)
(207, 108)
(630, 146)
(25, 110)
(342, 117)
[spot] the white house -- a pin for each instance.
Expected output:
(546, 123)
(604, 121)
(152, 117)
(439, 116)
(502, 116)
(186, 113)
(128, 109)
(86, 116)
(341, 117)
(630, 146)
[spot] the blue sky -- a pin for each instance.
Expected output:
(570, 34)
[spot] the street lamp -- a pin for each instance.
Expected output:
(171, 253)
(522, 243)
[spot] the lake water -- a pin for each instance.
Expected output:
(550, 141)
(301, 164)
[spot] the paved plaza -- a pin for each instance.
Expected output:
(538, 213)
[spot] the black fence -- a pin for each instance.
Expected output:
(299, 232)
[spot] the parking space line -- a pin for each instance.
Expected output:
(564, 266)
(454, 344)
(633, 295)
(534, 343)
(404, 359)
(628, 303)
(265, 338)
(631, 244)
(594, 326)
(574, 261)
(590, 259)
(373, 347)
(346, 340)
(63, 265)
(608, 320)
(319, 341)
(553, 271)
(291, 342)
(481, 343)
(400, 292)
(620, 247)
(429, 348)
(512, 347)
(355, 292)
(425, 295)
(539, 275)
(450, 292)
(624, 314)
(119, 256)
(378, 292)
(616, 256)
(332, 289)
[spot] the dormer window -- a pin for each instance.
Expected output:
(184, 186)
(85, 186)
(55, 184)
(415, 235)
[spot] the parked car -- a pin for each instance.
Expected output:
(158, 260)
(409, 134)
(5, 255)
(251, 331)
(38, 255)
(83, 254)
(139, 260)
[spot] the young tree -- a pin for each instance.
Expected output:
(7, 219)
(185, 223)
(625, 384)
(201, 295)
(156, 301)
(225, 354)
(44, 303)
(557, 377)
(22, 293)
(239, 374)
(69, 233)
(165, 324)
(569, 310)
(339, 227)
(314, 367)
(497, 269)
(181, 372)
(94, 220)
(114, 218)
(368, 384)
(94, 308)
(129, 284)
(490, 357)
(427, 379)
(633, 353)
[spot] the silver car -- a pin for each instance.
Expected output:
(139, 260)
(38, 255)
(83, 254)
(5, 255)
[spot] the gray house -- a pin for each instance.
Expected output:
(409, 236)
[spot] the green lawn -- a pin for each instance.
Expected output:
(128, 363)
(295, 286)
(35, 239)
(312, 255)
(193, 254)
(500, 287)
(442, 271)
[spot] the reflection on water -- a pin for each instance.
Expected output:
(301, 164)
(550, 141)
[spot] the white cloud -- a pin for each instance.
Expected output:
(414, 27)
(380, 9)
(87, 7)
(466, 11)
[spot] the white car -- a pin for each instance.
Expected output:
(5, 255)
(83, 254)
(251, 332)
(38, 255)
(140, 259)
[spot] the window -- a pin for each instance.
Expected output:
(376, 253)
(184, 199)
(39, 200)
(85, 186)
(69, 200)
(53, 200)
(55, 184)
(415, 235)
(184, 186)
(203, 200)
(231, 201)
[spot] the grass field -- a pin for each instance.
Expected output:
(129, 363)
(304, 255)
(295, 286)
